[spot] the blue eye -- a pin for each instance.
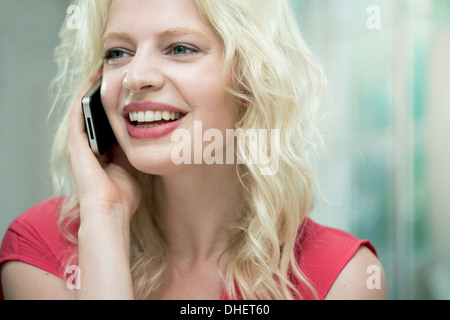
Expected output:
(182, 49)
(114, 54)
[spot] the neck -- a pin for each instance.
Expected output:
(195, 208)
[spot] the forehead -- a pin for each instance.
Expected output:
(154, 16)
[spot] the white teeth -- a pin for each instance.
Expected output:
(150, 116)
(166, 115)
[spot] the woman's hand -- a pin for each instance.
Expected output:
(109, 194)
(103, 182)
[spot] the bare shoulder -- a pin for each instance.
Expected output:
(362, 278)
(21, 281)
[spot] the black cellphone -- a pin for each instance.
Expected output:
(100, 134)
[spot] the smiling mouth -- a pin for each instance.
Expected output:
(150, 119)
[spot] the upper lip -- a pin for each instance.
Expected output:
(150, 106)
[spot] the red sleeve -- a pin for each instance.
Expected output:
(323, 253)
(34, 238)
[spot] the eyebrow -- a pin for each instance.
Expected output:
(182, 31)
(117, 36)
(165, 34)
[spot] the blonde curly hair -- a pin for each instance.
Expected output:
(281, 83)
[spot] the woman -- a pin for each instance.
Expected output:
(141, 225)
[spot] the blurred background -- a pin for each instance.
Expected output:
(386, 121)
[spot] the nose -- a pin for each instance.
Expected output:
(143, 74)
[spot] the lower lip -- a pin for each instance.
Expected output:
(153, 133)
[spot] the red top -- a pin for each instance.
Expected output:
(34, 238)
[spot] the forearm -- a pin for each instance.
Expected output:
(104, 257)
(109, 194)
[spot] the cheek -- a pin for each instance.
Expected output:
(111, 94)
(210, 101)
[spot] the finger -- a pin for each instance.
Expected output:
(118, 156)
(76, 120)
(81, 157)
(78, 140)
(125, 175)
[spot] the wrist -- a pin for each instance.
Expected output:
(104, 223)
(111, 214)
(104, 254)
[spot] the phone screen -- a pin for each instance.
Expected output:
(99, 131)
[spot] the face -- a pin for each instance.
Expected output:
(172, 65)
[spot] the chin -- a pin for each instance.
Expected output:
(154, 160)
